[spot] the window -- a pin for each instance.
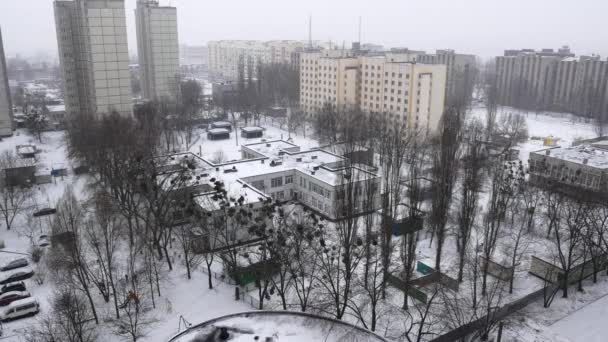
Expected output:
(276, 182)
(288, 179)
(258, 184)
(280, 195)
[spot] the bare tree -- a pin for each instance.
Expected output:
(103, 235)
(469, 192)
(568, 237)
(506, 180)
(445, 157)
(490, 91)
(68, 320)
(72, 259)
(137, 316)
(14, 198)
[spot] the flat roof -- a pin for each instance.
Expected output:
(582, 154)
(221, 123)
(252, 129)
(218, 131)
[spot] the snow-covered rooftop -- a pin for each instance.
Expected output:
(274, 157)
(584, 154)
(276, 326)
(218, 131)
(252, 129)
(56, 108)
(221, 124)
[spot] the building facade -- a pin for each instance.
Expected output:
(552, 80)
(578, 170)
(157, 50)
(461, 68)
(6, 107)
(393, 85)
(94, 56)
(226, 56)
(280, 170)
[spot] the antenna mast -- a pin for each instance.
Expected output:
(310, 31)
(359, 29)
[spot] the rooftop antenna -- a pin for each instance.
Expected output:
(310, 31)
(359, 29)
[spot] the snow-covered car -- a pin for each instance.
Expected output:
(43, 241)
(20, 308)
(16, 286)
(18, 275)
(45, 211)
(13, 264)
(9, 297)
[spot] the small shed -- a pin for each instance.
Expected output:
(252, 132)
(221, 124)
(26, 151)
(218, 134)
(59, 170)
(277, 112)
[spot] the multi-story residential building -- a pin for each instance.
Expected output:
(225, 56)
(280, 170)
(94, 56)
(577, 170)
(329, 77)
(458, 66)
(552, 80)
(6, 108)
(157, 49)
(193, 55)
(392, 84)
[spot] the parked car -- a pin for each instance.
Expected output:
(13, 264)
(43, 241)
(45, 211)
(18, 275)
(20, 308)
(9, 297)
(16, 286)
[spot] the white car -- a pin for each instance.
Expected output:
(20, 308)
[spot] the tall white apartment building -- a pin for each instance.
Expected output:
(158, 50)
(391, 85)
(6, 108)
(225, 56)
(94, 56)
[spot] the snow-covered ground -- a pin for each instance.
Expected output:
(192, 300)
(585, 325)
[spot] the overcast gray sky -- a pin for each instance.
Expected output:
(482, 27)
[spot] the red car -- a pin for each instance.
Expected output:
(9, 297)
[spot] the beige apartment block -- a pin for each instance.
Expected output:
(225, 56)
(157, 50)
(94, 57)
(6, 108)
(395, 86)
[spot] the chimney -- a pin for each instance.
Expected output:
(585, 161)
(548, 152)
